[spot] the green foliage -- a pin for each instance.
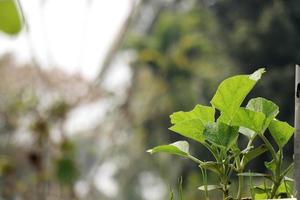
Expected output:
(220, 137)
(232, 92)
(281, 132)
(191, 124)
(180, 148)
(66, 171)
(10, 17)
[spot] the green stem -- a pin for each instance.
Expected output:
(240, 169)
(269, 146)
(240, 189)
(277, 176)
(195, 159)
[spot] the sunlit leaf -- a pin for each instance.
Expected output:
(191, 124)
(232, 92)
(221, 134)
(265, 106)
(180, 148)
(249, 119)
(10, 18)
(281, 132)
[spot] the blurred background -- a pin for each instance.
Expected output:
(87, 86)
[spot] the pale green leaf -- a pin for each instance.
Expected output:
(281, 132)
(232, 92)
(247, 132)
(212, 166)
(249, 119)
(209, 187)
(191, 124)
(180, 148)
(265, 106)
(271, 166)
(220, 134)
(204, 113)
(10, 18)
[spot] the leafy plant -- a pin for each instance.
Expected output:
(220, 136)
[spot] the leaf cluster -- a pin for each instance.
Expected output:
(220, 136)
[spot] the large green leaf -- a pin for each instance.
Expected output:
(191, 124)
(281, 132)
(10, 18)
(249, 119)
(180, 148)
(232, 92)
(221, 134)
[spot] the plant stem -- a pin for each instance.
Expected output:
(269, 146)
(240, 169)
(195, 159)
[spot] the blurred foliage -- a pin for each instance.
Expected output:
(10, 17)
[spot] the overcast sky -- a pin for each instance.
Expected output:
(69, 34)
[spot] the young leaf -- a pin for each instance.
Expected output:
(250, 155)
(220, 134)
(232, 92)
(180, 148)
(271, 166)
(209, 187)
(212, 166)
(191, 124)
(249, 119)
(265, 106)
(281, 132)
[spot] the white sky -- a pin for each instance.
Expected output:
(74, 37)
(68, 33)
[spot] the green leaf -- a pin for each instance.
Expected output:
(220, 134)
(10, 18)
(232, 92)
(285, 189)
(271, 166)
(180, 148)
(268, 108)
(204, 113)
(250, 155)
(281, 132)
(191, 124)
(66, 171)
(261, 189)
(209, 187)
(265, 106)
(213, 166)
(249, 119)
